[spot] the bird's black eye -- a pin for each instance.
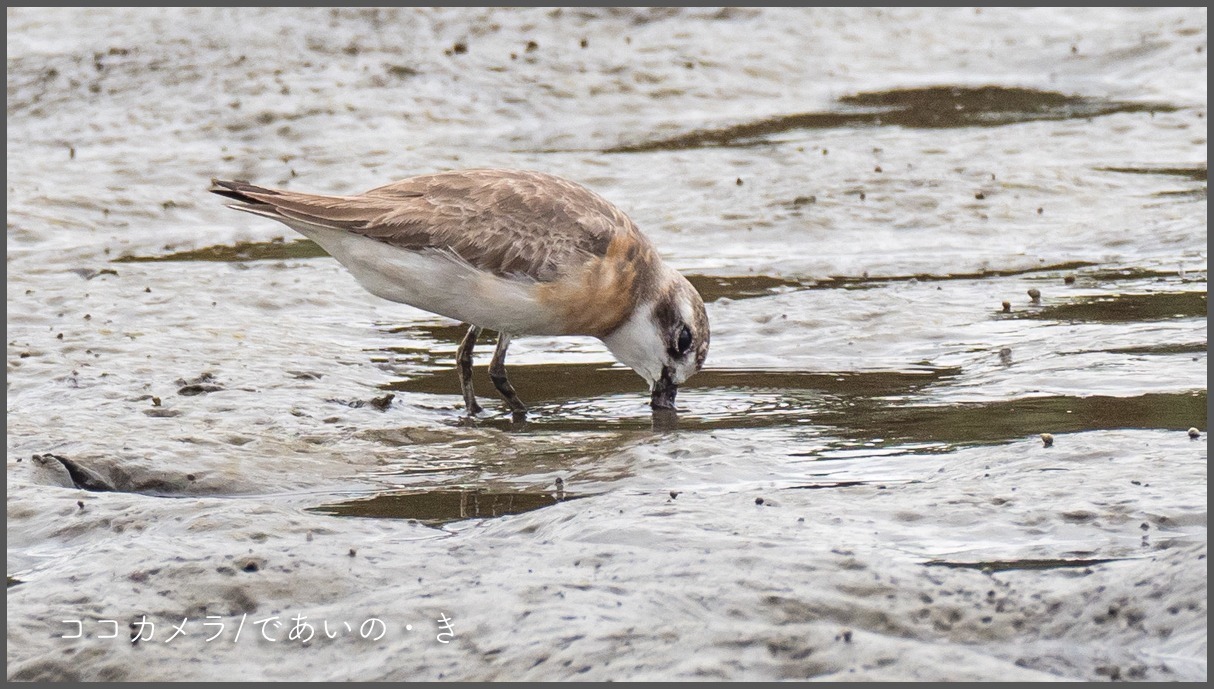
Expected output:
(684, 343)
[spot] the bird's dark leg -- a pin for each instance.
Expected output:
(497, 373)
(463, 358)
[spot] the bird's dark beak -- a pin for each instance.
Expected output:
(663, 393)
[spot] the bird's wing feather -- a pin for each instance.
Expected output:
(506, 222)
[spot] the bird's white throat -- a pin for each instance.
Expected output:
(639, 343)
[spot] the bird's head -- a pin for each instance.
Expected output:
(665, 339)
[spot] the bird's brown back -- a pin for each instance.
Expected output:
(511, 223)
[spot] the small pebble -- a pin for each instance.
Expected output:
(759, 501)
(1047, 440)
(382, 403)
(1194, 433)
(1069, 280)
(1007, 307)
(980, 196)
(1035, 295)
(739, 182)
(353, 552)
(674, 494)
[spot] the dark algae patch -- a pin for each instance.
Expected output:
(932, 107)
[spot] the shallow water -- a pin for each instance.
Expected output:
(207, 416)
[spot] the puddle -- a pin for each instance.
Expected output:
(921, 108)
(743, 287)
(868, 407)
(997, 422)
(962, 106)
(1124, 308)
(444, 506)
(274, 250)
(555, 382)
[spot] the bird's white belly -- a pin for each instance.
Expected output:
(438, 282)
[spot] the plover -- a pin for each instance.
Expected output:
(516, 252)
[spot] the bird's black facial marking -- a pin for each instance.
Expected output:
(678, 335)
(684, 342)
(667, 315)
(680, 341)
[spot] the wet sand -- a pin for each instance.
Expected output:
(210, 423)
